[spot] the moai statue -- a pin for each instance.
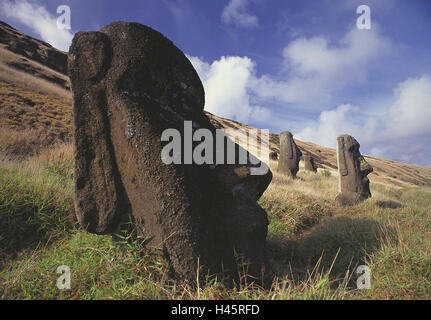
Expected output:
(309, 164)
(273, 155)
(131, 85)
(353, 184)
(290, 155)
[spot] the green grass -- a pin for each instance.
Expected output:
(101, 268)
(314, 246)
(402, 269)
(325, 173)
(34, 209)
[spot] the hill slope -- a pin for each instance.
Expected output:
(35, 94)
(385, 171)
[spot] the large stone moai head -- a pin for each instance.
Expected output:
(353, 184)
(309, 164)
(130, 86)
(290, 155)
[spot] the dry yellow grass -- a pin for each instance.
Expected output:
(18, 144)
(323, 185)
(22, 108)
(34, 112)
(308, 183)
(33, 76)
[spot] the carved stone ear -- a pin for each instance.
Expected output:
(90, 55)
(99, 195)
(341, 153)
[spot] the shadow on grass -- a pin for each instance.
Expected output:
(29, 217)
(26, 226)
(346, 239)
(389, 204)
(32, 211)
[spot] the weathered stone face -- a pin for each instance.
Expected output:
(129, 84)
(309, 164)
(290, 155)
(353, 184)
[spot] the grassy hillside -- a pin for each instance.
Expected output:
(314, 246)
(29, 102)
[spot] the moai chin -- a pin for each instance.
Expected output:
(309, 164)
(290, 155)
(353, 184)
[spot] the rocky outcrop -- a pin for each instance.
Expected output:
(353, 184)
(130, 85)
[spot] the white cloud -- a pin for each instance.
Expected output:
(317, 56)
(228, 88)
(40, 20)
(329, 125)
(403, 135)
(345, 119)
(235, 13)
(411, 112)
(316, 68)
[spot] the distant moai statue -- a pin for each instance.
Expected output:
(353, 184)
(273, 155)
(290, 155)
(309, 164)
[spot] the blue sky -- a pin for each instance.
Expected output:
(294, 65)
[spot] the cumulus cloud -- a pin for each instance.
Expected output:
(403, 134)
(235, 13)
(317, 68)
(330, 124)
(410, 115)
(40, 20)
(228, 88)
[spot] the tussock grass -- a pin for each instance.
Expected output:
(33, 82)
(314, 246)
(19, 144)
(49, 118)
(36, 206)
